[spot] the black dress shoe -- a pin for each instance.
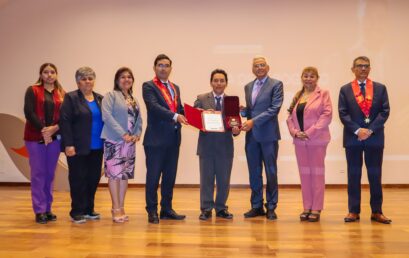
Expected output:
(271, 214)
(254, 212)
(51, 216)
(41, 218)
(153, 217)
(92, 216)
(171, 214)
(225, 214)
(205, 215)
(78, 219)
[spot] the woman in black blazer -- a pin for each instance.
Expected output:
(81, 126)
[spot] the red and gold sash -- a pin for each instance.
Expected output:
(364, 104)
(166, 94)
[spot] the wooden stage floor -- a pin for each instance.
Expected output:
(286, 237)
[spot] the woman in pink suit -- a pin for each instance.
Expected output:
(310, 114)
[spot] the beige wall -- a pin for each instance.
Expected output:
(202, 35)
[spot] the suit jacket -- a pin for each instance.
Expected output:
(76, 121)
(353, 118)
(161, 127)
(317, 117)
(115, 116)
(264, 111)
(213, 144)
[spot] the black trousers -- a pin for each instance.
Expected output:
(373, 157)
(160, 161)
(84, 173)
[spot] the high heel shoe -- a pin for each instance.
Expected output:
(304, 215)
(116, 216)
(314, 217)
(126, 217)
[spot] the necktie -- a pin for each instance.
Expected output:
(218, 103)
(170, 91)
(256, 90)
(362, 86)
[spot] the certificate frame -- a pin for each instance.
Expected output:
(212, 121)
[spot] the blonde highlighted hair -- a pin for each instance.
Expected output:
(297, 96)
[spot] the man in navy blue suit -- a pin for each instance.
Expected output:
(162, 139)
(264, 97)
(364, 108)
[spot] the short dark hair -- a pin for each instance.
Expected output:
(218, 71)
(365, 58)
(118, 74)
(161, 57)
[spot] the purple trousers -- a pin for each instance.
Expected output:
(43, 161)
(311, 165)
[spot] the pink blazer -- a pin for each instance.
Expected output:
(317, 117)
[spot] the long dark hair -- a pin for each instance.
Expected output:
(57, 84)
(297, 96)
(118, 74)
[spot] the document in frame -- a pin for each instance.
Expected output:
(213, 121)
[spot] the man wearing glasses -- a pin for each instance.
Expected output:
(363, 109)
(264, 97)
(162, 139)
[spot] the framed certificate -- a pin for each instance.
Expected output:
(212, 121)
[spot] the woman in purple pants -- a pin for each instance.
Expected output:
(42, 111)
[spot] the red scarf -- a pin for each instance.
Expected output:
(364, 104)
(30, 132)
(172, 104)
(40, 98)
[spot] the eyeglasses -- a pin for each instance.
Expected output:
(361, 66)
(163, 65)
(262, 65)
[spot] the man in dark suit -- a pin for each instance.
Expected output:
(364, 108)
(162, 139)
(215, 150)
(264, 97)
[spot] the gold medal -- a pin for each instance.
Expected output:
(233, 122)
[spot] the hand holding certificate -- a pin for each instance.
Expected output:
(208, 121)
(214, 121)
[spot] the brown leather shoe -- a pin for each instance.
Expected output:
(352, 217)
(379, 217)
